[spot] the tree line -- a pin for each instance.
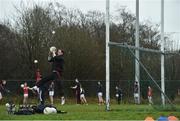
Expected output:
(82, 36)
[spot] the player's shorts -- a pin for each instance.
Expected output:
(82, 96)
(25, 95)
(100, 94)
(51, 93)
(136, 95)
(149, 97)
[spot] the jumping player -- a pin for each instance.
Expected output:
(57, 60)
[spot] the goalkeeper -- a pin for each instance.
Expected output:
(57, 60)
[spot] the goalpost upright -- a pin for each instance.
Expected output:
(137, 66)
(162, 55)
(107, 58)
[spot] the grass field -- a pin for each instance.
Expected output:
(94, 112)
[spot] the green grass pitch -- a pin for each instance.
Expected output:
(94, 112)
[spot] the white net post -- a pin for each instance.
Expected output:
(107, 58)
(162, 55)
(137, 67)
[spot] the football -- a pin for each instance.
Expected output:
(52, 49)
(35, 61)
(49, 110)
(7, 105)
(22, 85)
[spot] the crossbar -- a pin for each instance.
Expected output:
(125, 45)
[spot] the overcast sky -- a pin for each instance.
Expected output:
(149, 9)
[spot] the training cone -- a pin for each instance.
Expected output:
(149, 119)
(162, 118)
(173, 118)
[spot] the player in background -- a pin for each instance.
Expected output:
(118, 94)
(82, 96)
(100, 94)
(3, 88)
(149, 93)
(26, 93)
(77, 89)
(51, 92)
(136, 94)
(38, 75)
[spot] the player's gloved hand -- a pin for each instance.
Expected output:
(54, 53)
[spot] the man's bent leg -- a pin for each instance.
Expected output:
(46, 79)
(60, 87)
(41, 95)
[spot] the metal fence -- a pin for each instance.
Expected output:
(90, 87)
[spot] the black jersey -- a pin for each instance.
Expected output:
(78, 87)
(57, 63)
(119, 91)
(82, 91)
(99, 88)
(51, 87)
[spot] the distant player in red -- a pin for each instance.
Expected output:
(150, 95)
(38, 75)
(26, 94)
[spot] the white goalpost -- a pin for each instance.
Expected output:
(137, 48)
(107, 58)
(162, 55)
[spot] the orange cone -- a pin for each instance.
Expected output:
(173, 118)
(149, 119)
